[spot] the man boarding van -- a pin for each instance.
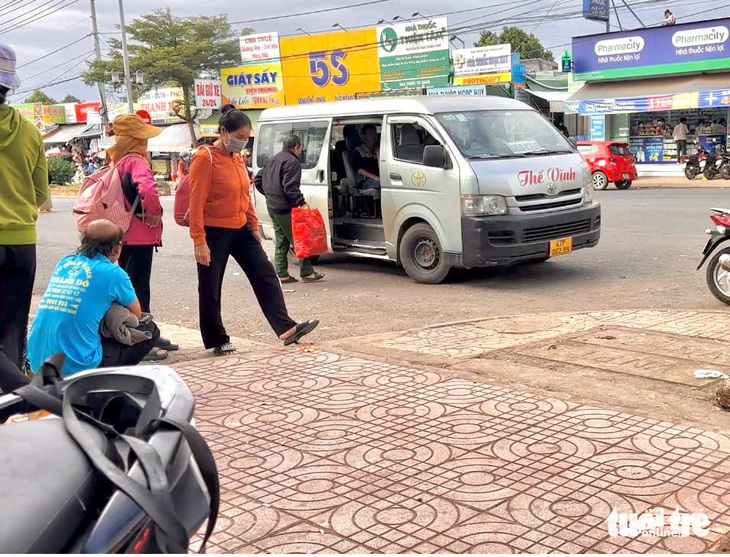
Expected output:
(434, 183)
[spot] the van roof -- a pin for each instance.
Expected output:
(394, 105)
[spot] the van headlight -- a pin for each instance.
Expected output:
(483, 205)
(589, 192)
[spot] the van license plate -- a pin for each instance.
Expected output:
(561, 247)
(626, 176)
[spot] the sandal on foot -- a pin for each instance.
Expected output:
(166, 344)
(225, 350)
(155, 355)
(287, 280)
(301, 330)
(314, 277)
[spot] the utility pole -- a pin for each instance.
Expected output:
(104, 113)
(125, 56)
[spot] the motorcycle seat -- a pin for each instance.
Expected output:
(48, 488)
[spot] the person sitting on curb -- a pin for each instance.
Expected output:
(73, 311)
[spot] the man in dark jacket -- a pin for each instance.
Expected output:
(280, 181)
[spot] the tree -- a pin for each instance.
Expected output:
(68, 99)
(172, 51)
(39, 96)
(528, 45)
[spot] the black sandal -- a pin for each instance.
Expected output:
(156, 355)
(287, 280)
(166, 344)
(314, 277)
(226, 349)
(301, 330)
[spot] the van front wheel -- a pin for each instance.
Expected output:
(421, 255)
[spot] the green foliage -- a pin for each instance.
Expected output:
(39, 96)
(71, 99)
(62, 170)
(172, 51)
(528, 45)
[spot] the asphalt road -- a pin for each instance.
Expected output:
(646, 259)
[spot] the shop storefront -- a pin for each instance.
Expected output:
(640, 84)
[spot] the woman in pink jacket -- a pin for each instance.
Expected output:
(145, 233)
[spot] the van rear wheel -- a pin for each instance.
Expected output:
(421, 255)
(624, 184)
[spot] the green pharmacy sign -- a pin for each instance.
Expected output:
(414, 55)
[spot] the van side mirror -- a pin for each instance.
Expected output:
(434, 156)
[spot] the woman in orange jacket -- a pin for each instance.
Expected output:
(223, 224)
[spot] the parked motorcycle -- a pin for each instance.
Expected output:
(712, 166)
(116, 467)
(693, 165)
(725, 166)
(718, 268)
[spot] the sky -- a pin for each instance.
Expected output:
(44, 56)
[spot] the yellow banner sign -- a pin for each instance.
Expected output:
(488, 79)
(330, 66)
(253, 86)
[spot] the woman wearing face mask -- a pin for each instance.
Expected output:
(223, 224)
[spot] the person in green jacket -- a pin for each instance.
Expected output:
(23, 188)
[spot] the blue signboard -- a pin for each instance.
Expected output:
(596, 10)
(518, 70)
(672, 49)
(715, 98)
(598, 128)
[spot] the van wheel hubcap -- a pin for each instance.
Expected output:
(426, 253)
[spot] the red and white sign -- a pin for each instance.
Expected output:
(207, 93)
(78, 113)
(260, 48)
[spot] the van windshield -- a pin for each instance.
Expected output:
(488, 134)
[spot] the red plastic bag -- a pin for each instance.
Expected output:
(310, 235)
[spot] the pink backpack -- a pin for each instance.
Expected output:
(182, 196)
(102, 197)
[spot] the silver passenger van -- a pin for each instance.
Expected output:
(463, 182)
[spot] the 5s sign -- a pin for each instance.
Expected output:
(329, 67)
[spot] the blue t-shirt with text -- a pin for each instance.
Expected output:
(79, 294)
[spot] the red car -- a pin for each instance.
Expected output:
(609, 161)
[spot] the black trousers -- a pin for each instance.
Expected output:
(17, 274)
(137, 262)
(681, 148)
(116, 354)
(242, 245)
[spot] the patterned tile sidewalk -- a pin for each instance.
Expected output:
(324, 453)
(477, 338)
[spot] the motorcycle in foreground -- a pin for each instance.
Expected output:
(117, 466)
(718, 268)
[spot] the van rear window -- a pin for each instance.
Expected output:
(270, 139)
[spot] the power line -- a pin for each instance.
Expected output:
(58, 6)
(54, 51)
(47, 85)
(312, 12)
(85, 54)
(19, 6)
(55, 80)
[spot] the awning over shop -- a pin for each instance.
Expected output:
(94, 130)
(648, 95)
(209, 126)
(64, 134)
(555, 99)
(173, 139)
